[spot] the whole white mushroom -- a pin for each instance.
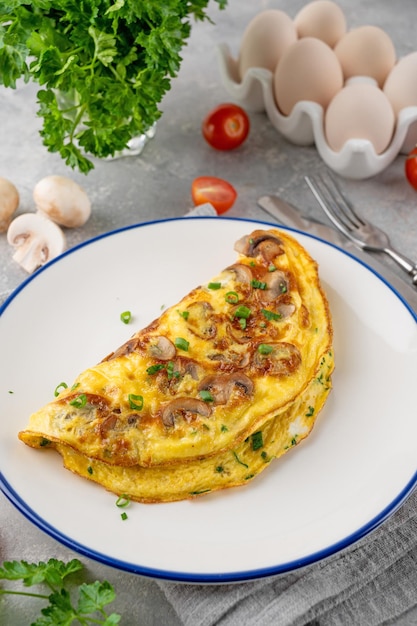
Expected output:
(62, 200)
(36, 240)
(9, 201)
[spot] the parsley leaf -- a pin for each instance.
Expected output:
(112, 60)
(87, 608)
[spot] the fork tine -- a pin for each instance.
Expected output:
(334, 204)
(349, 210)
(322, 196)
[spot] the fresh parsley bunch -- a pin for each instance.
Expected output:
(113, 60)
(65, 604)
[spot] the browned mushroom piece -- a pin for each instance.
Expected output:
(162, 348)
(243, 273)
(260, 242)
(200, 320)
(277, 285)
(230, 359)
(221, 386)
(186, 408)
(277, 359)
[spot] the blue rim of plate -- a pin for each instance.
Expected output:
(200, 578)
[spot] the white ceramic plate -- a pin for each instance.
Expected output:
(353, 471)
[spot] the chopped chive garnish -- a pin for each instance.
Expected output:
(270, 315)
(122, 501)
(242, 312)
(123, 515)
(170, 370)
(44, 442)
(79, 401)
(206, 395)
(182, 344)
(184, 314)
(135, 402)
(272, 268)
(223, 428)
(219, 469)
(242, 323)
(232, 297)
(310, 411)
(90, 470)
(60, 388)
(239, 461)
(155, 368)
(257, 284)
(257, 440)
(263, 348)
(214, 286)
(126, 316)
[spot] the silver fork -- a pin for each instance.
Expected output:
(362, 233)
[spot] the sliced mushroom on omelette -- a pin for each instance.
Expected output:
(239, 355)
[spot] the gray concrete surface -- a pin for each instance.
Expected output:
(157, 185)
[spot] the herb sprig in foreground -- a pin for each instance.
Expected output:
(85, 605)
(112, 59)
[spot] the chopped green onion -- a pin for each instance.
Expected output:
(272, 268)
(214, 286)
(257, 440)
(60, 388)
(123, 501)
(90, 470)
(155, 368)
(270, 315)
(263, 348)
(75, 385)
(310, 411)
(182, 344)
(184, 314)
(238, 460)
(206, 395)
(126, 316)
(79, 401)
(171, 372)
(242, 312)
(135, 402)
(223, 428)
(257, 284)
(219, 469)
(242, 323)
(44, 442)
(123, 515)
(232, 297)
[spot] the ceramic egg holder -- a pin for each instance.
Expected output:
(305, 125)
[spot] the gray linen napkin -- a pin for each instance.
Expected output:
(372, 583)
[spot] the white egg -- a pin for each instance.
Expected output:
(359, 111)
(323, 19)
(401, 84)
(309, 70)
(265, 39)
(366, 51)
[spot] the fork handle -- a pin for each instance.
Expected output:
(404, 262)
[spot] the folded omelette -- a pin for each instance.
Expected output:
(203, 398)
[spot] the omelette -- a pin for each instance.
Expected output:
(205, 396)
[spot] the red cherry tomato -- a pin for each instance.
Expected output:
(226, 127)
(217, 191)
(411, 168)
